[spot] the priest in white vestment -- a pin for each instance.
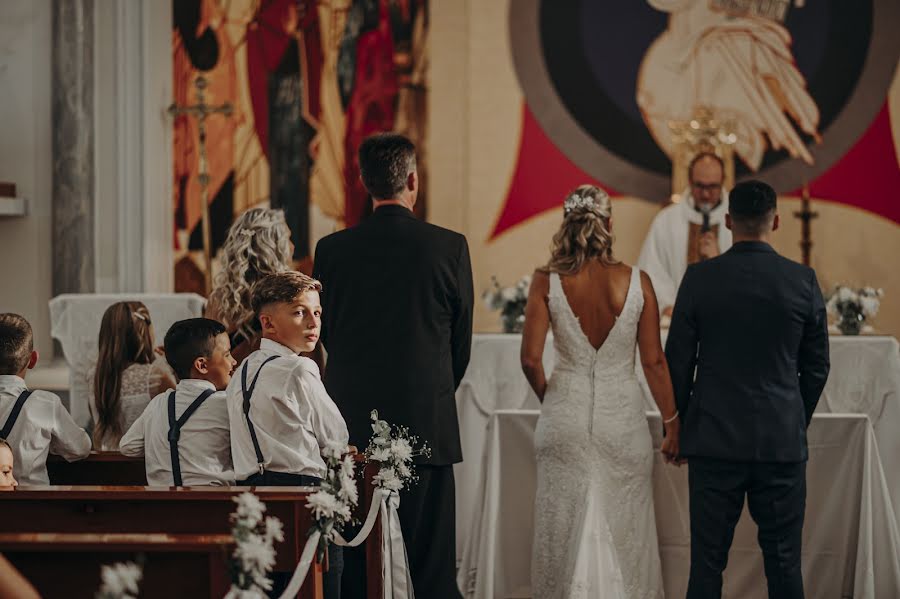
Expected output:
(677, 237)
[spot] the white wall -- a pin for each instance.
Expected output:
(133, 145)
(133, 152)
(25, 159)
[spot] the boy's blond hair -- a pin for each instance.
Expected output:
(282, 288)
(16, 343)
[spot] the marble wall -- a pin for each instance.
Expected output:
(72, 118)
(26, 160)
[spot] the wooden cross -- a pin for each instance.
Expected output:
(201, 110)
(805, 215)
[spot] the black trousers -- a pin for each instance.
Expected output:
(331, 580)
(428, 520)
(776, 497)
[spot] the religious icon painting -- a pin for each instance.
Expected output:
(804, 82)
(307, 80)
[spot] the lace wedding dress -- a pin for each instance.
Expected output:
(595, 528)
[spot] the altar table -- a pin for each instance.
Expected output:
(864, 379)
(851, 544)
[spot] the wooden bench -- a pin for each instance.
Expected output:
(157, 510)
(99, 468)
(68, 564)
(113, 468)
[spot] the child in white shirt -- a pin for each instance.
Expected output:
(281, 415)
(34, 423)
(184, 434)
(7, 463)
(128, 372)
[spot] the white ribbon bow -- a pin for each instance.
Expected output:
(396, 579)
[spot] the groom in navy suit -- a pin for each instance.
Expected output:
(748, 356)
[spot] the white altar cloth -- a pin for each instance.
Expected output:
(864, 379)
(851, 544)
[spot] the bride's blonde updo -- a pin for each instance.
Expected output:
(584, 233)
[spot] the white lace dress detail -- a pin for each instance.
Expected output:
(139, 382)
(595, 527)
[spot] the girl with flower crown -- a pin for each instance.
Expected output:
(128, 374)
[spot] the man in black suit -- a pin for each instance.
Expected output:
(397, 325)
(748, 356)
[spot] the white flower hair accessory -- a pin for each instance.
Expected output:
(577, 202)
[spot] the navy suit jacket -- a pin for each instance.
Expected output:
(748, 355)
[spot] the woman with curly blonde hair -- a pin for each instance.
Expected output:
(593, 448)
(258, 244)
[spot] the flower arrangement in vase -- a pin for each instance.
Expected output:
(510, 301)
(852, 307)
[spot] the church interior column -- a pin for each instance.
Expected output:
(72, 113)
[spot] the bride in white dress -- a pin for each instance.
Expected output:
(595, 528)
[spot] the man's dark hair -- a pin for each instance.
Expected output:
(188, 340)
(701, 156)
(16, 343)
(385, 162)
(752, 206)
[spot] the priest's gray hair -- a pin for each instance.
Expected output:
(584, 234)
(258, 244)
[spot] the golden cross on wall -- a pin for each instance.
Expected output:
(201, 110)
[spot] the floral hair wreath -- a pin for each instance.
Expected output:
(578, 201)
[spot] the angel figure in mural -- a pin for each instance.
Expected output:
(740, 67)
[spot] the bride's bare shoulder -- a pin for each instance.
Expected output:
(540, 280)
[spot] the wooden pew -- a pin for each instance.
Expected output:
(158, 510)
(113, 468)
(374, 558)
(68, 564)
(99, 468)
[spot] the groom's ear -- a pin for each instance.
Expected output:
(728, 221)
(776, 222)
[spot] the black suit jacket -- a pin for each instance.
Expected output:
(753, 326)
(397, 325)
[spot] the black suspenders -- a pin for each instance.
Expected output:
(14, 414)
(248, 393)
(175, 429)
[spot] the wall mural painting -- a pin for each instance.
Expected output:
(803, 84)
(306, 81)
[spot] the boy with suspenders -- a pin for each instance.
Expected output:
(281, 415)
(184, 434)
(34, 423)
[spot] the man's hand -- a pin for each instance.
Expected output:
(707, 246)
(670, 446)
(667, 311)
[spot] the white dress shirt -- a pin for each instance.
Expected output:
(664, 256)
(292, 414)
(44, 426)
(204, 447)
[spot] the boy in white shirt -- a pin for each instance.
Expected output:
(281, 415)
(184, 435)
(34, 423)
